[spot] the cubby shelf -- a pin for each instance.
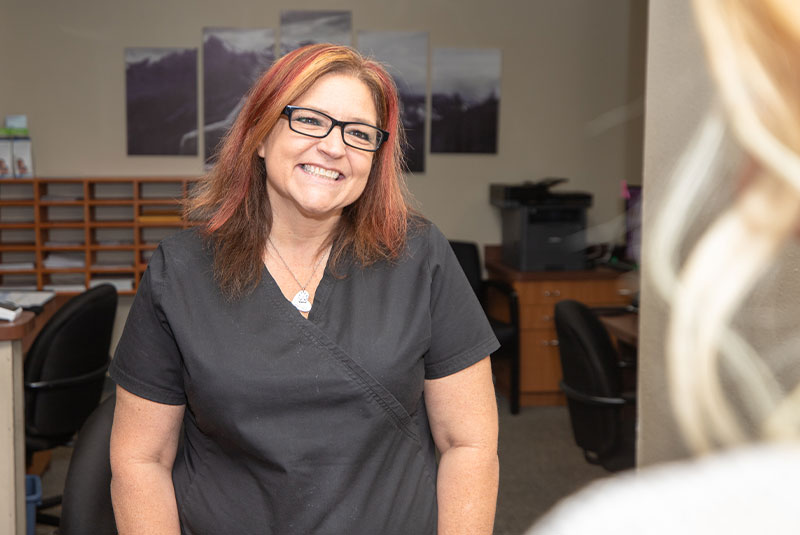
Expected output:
(82, 209)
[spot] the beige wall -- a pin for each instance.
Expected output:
(565, 67)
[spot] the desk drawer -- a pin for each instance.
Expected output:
(540, 366)
(536, 317)
(597, 293)
(544, 292)
(594, 292)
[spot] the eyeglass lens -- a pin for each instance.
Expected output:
(317, 124)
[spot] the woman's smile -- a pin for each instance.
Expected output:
(322, 172)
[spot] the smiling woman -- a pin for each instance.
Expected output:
(234, 199)
(314, 344)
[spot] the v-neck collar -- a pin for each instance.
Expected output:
(320, 294)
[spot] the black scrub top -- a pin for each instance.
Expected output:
(295, 425)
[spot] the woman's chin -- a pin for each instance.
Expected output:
(319, 211)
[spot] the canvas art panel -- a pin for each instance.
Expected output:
(161, 100)
(405, 56)
(301, 28)
(466, 100)
(233, 59)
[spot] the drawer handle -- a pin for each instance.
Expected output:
(547, 317)
(550, 343)
(554, 293)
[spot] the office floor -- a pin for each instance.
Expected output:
(539, 464)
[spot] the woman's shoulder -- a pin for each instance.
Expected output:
(189, 239)
(422, 234)
(182, 247)
(425, 242)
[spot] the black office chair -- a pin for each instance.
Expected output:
(64, 372)
(87, 493)
(507, 332)
(603, 417)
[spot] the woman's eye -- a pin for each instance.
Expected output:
(360, 134)
(309, 120)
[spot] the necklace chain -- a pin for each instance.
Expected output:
(302, 286)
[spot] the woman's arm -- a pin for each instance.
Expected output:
(144, 441)
(463, 415)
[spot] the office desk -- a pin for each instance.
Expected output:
(623, 327)
(538, 292)
(15, 337)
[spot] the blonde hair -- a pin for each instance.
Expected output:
(753, 47)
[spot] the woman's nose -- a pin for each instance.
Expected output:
(333, 144)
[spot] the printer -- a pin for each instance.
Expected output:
(543, 230)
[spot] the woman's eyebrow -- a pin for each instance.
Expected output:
(353, 120)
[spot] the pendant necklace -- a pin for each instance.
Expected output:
(300, 299)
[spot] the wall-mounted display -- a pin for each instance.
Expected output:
(161, 100)
(21, 153)
(405, 55)
(300, 28)
(6, 159)
(466, 100)
(232, 61)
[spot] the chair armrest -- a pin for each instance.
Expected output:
(510, 293)
(599, 401)
(60, 384)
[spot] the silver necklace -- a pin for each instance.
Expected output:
(300, 299)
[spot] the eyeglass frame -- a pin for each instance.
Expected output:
(288, 110)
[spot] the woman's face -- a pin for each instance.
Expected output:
(318, 177)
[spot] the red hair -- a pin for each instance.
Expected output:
(232, 197)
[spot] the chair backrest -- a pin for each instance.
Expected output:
(468, 257)
(589, 366)
(86, 506)
(73, 344)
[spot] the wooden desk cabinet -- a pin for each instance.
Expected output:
(15, 338)
(539, 291)
(106, 227)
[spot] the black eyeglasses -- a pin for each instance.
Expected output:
(314, 123)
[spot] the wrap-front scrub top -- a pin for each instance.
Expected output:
(295, 425)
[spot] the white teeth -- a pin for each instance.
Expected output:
(313, 169)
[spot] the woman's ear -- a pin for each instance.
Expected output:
(261, 150)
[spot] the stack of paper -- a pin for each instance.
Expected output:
(52, 197)
(17, 287)
(114, 242)
(57, 260)
(15, 266)
(67, 288)
(120, 283)
(27, 299)
(62, 243)
(111, 266)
